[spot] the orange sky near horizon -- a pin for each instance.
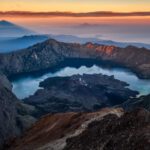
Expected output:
(137, 20)
(76, 6)
(119, 28)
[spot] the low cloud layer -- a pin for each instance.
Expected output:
(71, 14)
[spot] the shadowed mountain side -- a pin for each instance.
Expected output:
(14, 115)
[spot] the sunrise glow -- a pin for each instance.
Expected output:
(117, 19)
(75, 5)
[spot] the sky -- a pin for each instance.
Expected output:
(121, 23)
(75, 5)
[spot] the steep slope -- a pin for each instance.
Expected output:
(8, 113)
(12, 121)
(51, 53)
(107, 129)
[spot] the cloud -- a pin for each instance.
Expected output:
(72, 14)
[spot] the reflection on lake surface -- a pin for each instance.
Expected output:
(28, 85)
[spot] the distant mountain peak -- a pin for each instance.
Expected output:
(4, 22)
(9, 29)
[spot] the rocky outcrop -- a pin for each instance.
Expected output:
(132, 103)
(50, 53)
(79, 93)
(131, 131)
(107, 129)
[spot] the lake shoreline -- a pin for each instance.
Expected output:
(79, 67)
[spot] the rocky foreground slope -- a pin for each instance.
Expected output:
(129, 132)
(51, 53)
(106, 129)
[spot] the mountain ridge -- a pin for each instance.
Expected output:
(8, 44)
(51, 52)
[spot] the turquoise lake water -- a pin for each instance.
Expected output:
(28, 85)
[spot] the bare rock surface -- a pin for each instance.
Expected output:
(79, 93)
(129, 132)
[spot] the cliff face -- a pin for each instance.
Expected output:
(50, 53)
(12, 121)
(106, 129)
(8, 114)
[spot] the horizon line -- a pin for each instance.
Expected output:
(74, 14)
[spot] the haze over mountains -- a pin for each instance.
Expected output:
(13, 44)
(14, 37)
